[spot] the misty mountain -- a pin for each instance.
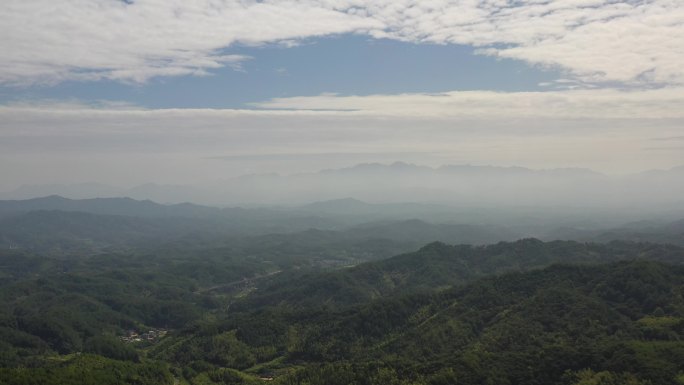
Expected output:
(420, 232)
(245, 217)
(645, 194)
(400, 182)
(641, 231)
(109, 206)
(72, 232)
(147, 191)
(334, 214)
(665, 233)
(73, 191)
(268, 235)
(56, 224)
(471, 187)
(339, 231)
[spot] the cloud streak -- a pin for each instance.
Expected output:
(635, 42)
(599, 103)
(128, 145)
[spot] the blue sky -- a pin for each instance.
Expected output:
(346, 65)
(193, 91)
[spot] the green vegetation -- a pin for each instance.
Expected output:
(583, 324)
(438, 265)
(286, 309)
(85, 369)
(551, 326)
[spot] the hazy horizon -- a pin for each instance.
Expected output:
(572, 192)
(314, 170)
(132, 92)
(334, 192)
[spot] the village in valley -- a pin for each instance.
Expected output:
(152, 335)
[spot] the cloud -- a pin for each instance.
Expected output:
(573, 104)
(670, 138)
(314, 156)
(678, 149)
(632, 42)
(48, 42)
(39, 141)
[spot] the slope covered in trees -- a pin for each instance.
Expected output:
(438, 265)
(561, 325)
(524, 312)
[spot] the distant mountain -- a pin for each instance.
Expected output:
(379, 169)
(420, 232)
(467, 186)
(109, 206)
(73, 191)
(666, 233)
(558, 192)
(147, 191)
(464, 170)
(642, 231)
(59, 225)
(167, 193)
(679, 171)
(72, 232)
(517, 171)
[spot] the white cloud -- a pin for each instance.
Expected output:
(632, 41)
(48, 41)
(607, 130)
(568, 104)
(596, 40)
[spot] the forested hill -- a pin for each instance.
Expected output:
(619, 323)
(438, 265)
(249, 218)
(524, 312)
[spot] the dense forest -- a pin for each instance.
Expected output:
(91, 297)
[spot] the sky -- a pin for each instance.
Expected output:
(191, 91)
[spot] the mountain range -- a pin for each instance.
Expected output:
(334, 232)
(459, 185)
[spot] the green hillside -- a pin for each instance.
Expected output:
(562, 325)
(438, 265)
(524, 312)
